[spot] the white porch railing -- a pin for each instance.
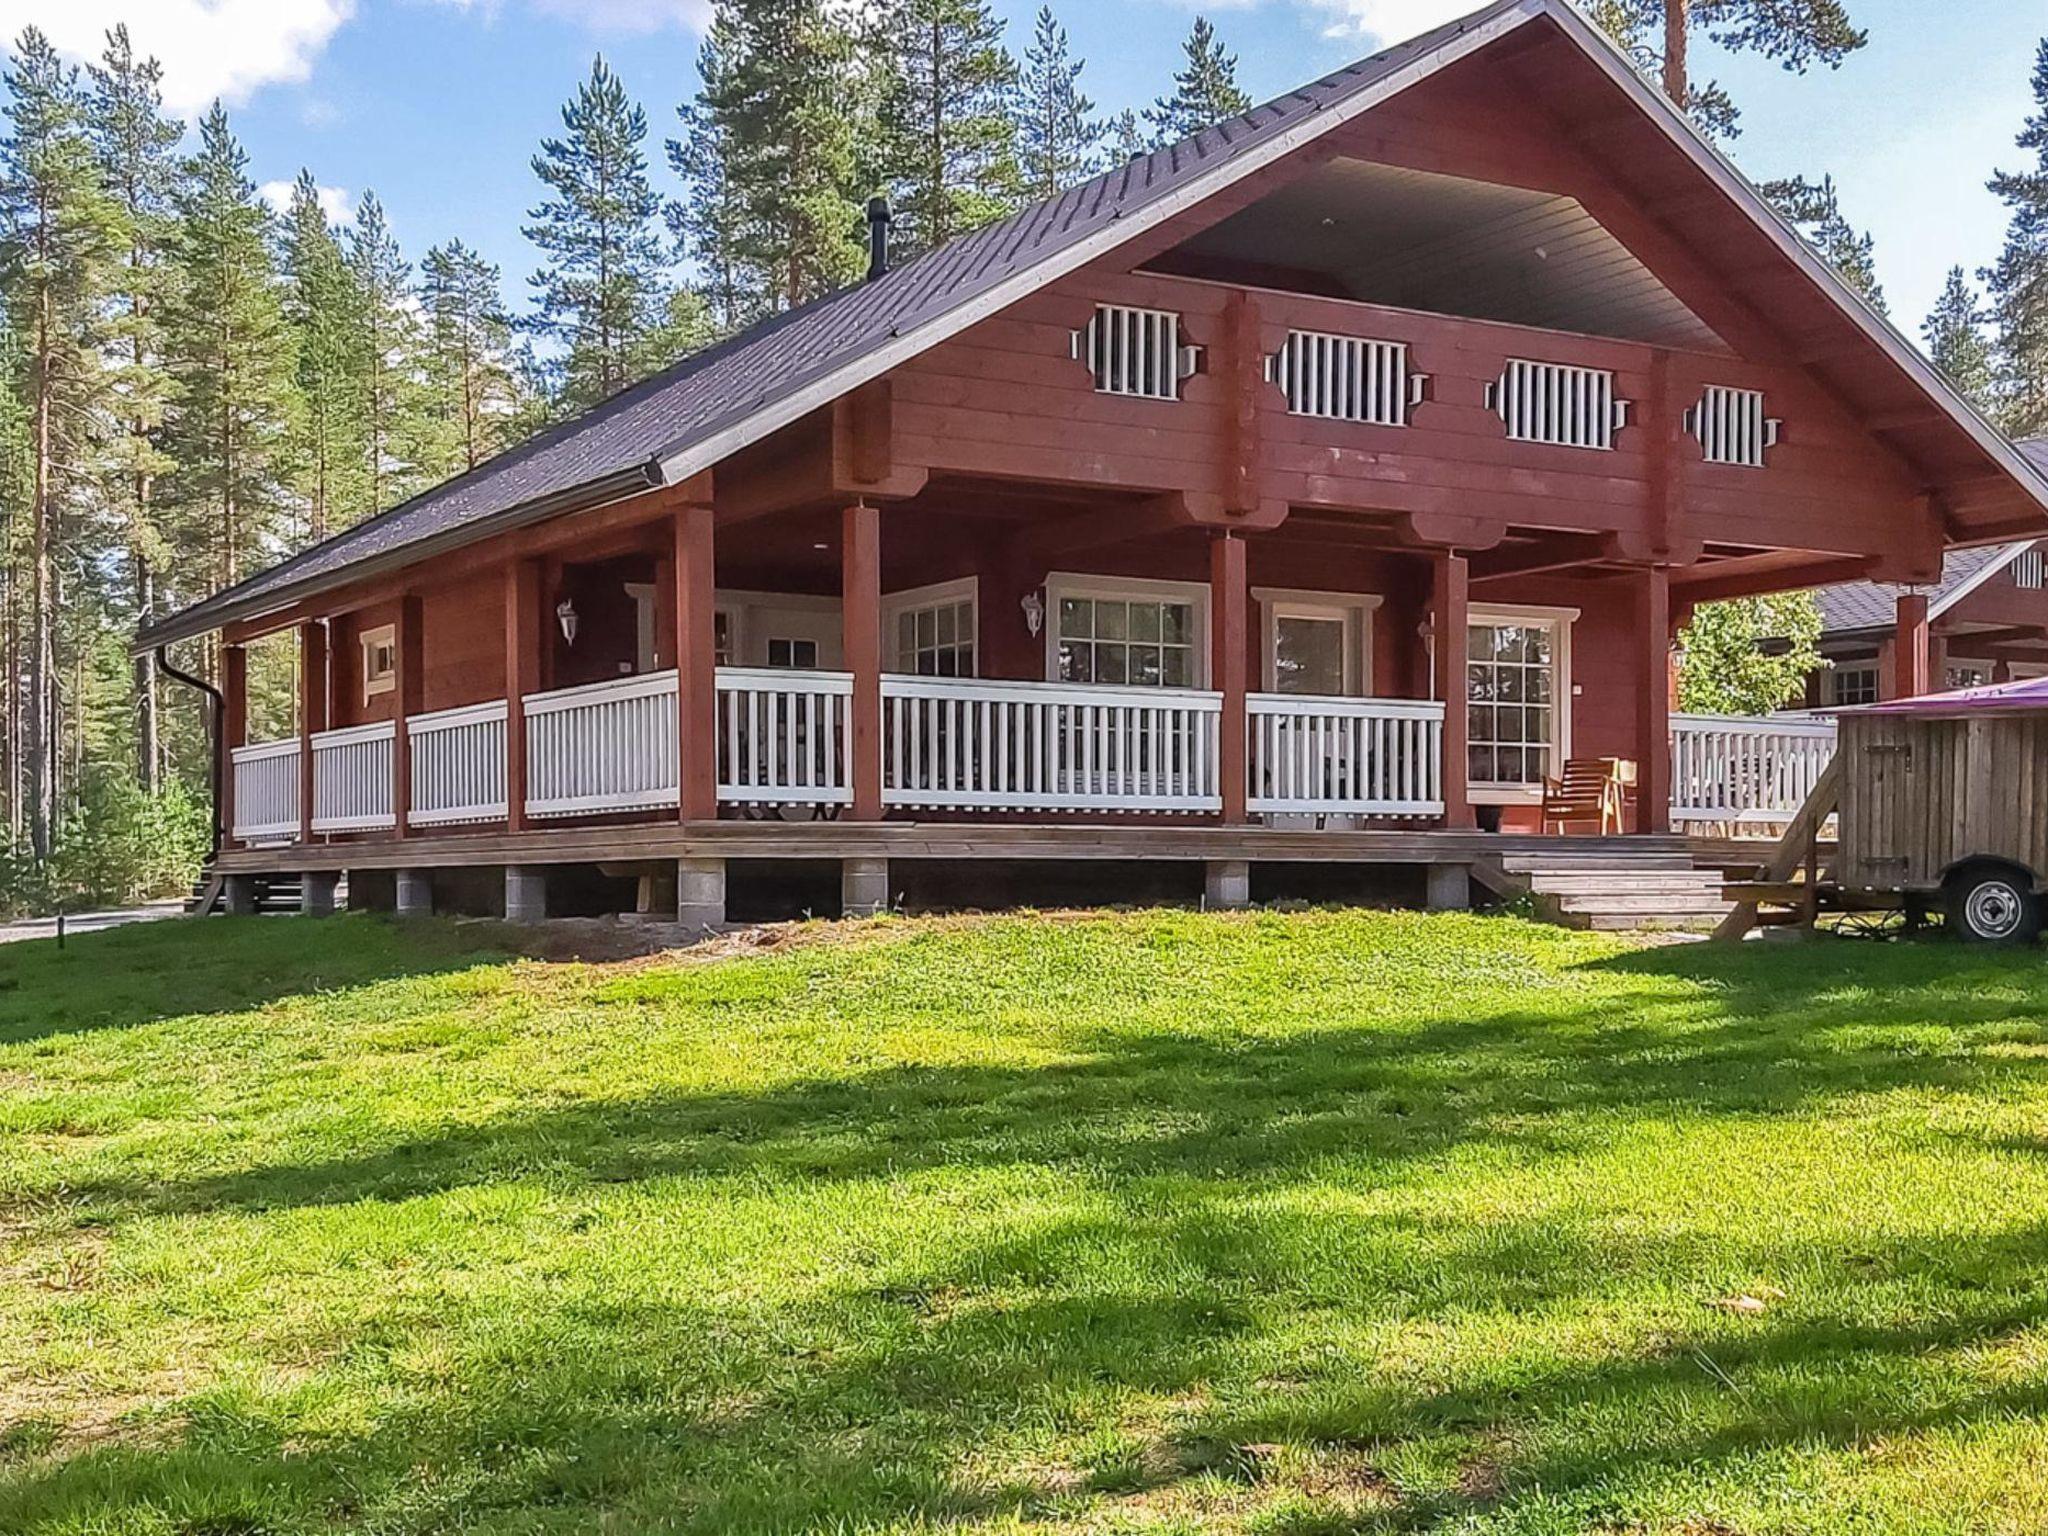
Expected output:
(957, 743)
(782, 737)
(458, 766)
(1361, 757)
(1728, 768)
(266, 791)
(353, 778)
(607, 746)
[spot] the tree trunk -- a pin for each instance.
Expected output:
(148, 731)
(1677, 27)
(39, 745)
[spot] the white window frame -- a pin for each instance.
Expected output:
(1060, 585)
(1356, 609)
(743, 615)
(1563, 700)
(376, 682)
(939, 594)
(1859, 665)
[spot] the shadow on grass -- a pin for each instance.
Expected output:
(879, 1400)
(151, 971)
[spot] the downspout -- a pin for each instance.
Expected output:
(215, 714)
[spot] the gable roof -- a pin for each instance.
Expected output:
(699, 412)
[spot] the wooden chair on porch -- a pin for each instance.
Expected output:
(1592, 790)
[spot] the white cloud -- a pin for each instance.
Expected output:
(607, 16)
(335, 202)
(209, 48)
(1389, 21)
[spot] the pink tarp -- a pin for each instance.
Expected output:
(2022, 698)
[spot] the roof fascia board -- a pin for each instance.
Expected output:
(1686, 136)
(681, 463)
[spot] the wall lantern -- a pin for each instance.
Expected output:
(565, 615)
(1034, 612)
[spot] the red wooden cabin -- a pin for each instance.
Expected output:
(1156, 522)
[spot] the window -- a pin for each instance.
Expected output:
(1968, 677)
(1518, 696)
(934, 629)
(2027, 570)
(1317, 643)
(380, 661)
(1851, 685)
(721, 636)
(1135, 352)
(1146, 641)
(796, 655)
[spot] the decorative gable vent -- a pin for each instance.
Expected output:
(1555, 403)
(1732, 427)
(1135, 352)
(2028, 571)
(1346, 378)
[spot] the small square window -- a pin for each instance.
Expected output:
(380, 661)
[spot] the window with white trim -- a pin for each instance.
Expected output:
(1317, 644)
(1518, 698)
(934, 630)
(1125, 633)
(1968, 676)
(793, 653)
(380, 661)
(1852, 685)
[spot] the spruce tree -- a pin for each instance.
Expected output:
(2018, 280)
(469, 353)
(397, 457)
(329, 450)
(1658, 35)
(599, 291)
(789, 106)
(230, 356)
(948, 129)
(1205, 90)
(707, 222)
(1058, 135)
(1954, 333)
(137, 146)
(62, 239)
(1126, 138)
(1815, 210)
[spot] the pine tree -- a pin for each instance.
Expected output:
(323, 306)
(1954, 333)
(2018, 280)
(599, 291)
(707, 223)
(137, 147)
(1658, 34)
(1126, 138)
(948, 133)
(1058, 135)
(469, 343)
(1205, 92)
(393, 408)
(1815, 210)
(788, 105)
(231, 358)
(62, 239)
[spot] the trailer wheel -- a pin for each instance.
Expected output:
(1993, 904)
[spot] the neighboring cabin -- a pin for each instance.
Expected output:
(1158, 522)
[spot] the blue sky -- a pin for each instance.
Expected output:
(438, 104)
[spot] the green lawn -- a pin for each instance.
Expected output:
(1158, 1222)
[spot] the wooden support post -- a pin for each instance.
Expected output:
(312, 713)
(1653, 701)
(409, 646)
(1450, 618)
(1228, 632)
(522, 676)
(234, 727)
(1910, 652)
(860, 552)
(693, 601)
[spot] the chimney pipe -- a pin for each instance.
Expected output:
(879, 220)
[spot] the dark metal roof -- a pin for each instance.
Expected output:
(580, 463)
